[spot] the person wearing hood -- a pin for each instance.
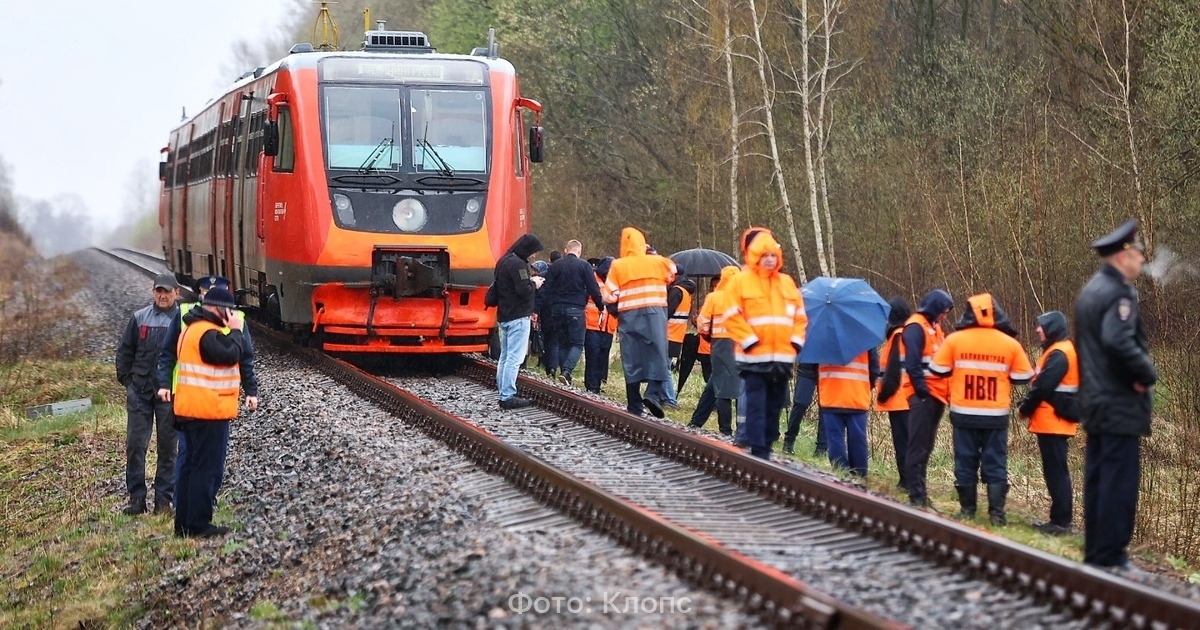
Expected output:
(206, 402)
(1116, 395)
(767, 324)
(637, 285)
(924, 392)
(516, 288)
(894, 379)
(597, 341)
(724, 382)
(981, 361)
(1052, 408)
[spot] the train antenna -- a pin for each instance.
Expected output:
(327, 27)
(183, 113)
(493, 49)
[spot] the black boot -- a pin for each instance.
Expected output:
(633, 398)
(968, 499)
(725, 416)
(789, 447)
(136, 506)
(997, 493)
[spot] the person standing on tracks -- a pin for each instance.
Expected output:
(894, 379)
(1052, 407)
(767, 323)
(637, 284)
(206, 402)
(926, 393)
(516, 288)
(570, 282)
(168, 371)
(137, 360)
(980, 361)
(722, 386)
(1116, 396)
(601, 324)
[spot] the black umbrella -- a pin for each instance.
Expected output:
(703, 262)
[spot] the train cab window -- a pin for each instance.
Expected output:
(518, 125)
(362, 126)
(285, 161)
(449, 130)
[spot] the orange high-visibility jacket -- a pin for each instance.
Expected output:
(898, 401)
(637, 279)
(599, 319)
(981, 364)
(677, 323)
(934, 337)
(845, 386)
(768, 312)
(710, 322)
(1044, 420)
(204, 392)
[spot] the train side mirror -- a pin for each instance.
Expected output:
(271, 138)
(162, 171)
(536, 140)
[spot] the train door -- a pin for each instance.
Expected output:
(247, 235)
(228, 260)
(216, 187)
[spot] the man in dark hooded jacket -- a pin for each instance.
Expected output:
(887, 399)
(925, 392)
(980, 362)
(1053, 411)
(516, 289)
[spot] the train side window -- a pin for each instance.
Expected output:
(518, 126)
(285, 161)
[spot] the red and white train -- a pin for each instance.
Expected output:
(360, 199)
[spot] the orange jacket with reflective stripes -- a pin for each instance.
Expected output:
(898, 401)
(599, 319)
(981, 364)
(934, 337)
(203, 391)
(710, 322)
(845, 386)
(677, 323)
(1044, 420)
(768, 312)
(637, 279)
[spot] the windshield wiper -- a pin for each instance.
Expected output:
(368, 164)
(443, 168)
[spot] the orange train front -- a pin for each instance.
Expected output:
(360, 199)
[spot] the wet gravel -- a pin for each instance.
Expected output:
(343, 517)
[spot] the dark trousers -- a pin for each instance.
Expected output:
(1058, 477)
(980, 452)
(547, 329)
(570, 324)
(596, 346)
(766, 396)
(146, 415)
(802, 398)
(899, 423)
(923, 418)
(1112, 473)
(707, 404)
(183, 449)
(847, 435)
(208, 443)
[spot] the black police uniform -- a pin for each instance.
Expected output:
(1114, 355)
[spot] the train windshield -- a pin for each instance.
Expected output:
(362, 126)
(449, 130)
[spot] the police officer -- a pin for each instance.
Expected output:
(1116, 377)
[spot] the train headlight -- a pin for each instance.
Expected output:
(470, 218)
(473, 205)
(345, 211)
(409, 215)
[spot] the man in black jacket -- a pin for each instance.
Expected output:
(137, 358)
(516, 289)
(1115, 398)
(569, 283)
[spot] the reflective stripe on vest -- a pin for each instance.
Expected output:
(677, 324)
(184, 309)
(934, 337)
(204, 392)
(845, 386)
(1044, 420)
(898, 401)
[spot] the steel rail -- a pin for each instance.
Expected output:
(1088, 592)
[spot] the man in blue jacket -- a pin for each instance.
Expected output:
(569, 283)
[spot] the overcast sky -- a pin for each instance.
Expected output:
(88, 88)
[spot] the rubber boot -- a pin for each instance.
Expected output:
(725, 416)
(633, 397)
(968, 499)
(997, 494)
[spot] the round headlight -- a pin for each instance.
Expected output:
(473, 205)
(345, 212)
(409, 215)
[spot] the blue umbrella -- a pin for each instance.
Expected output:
(846, 317)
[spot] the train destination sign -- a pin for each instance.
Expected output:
(403, 70)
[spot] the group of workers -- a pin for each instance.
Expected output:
(183, 366)
(752, 327)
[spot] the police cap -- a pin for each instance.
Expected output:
(210, 282)
(1122, 238)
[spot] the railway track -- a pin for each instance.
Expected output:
(747, 528)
